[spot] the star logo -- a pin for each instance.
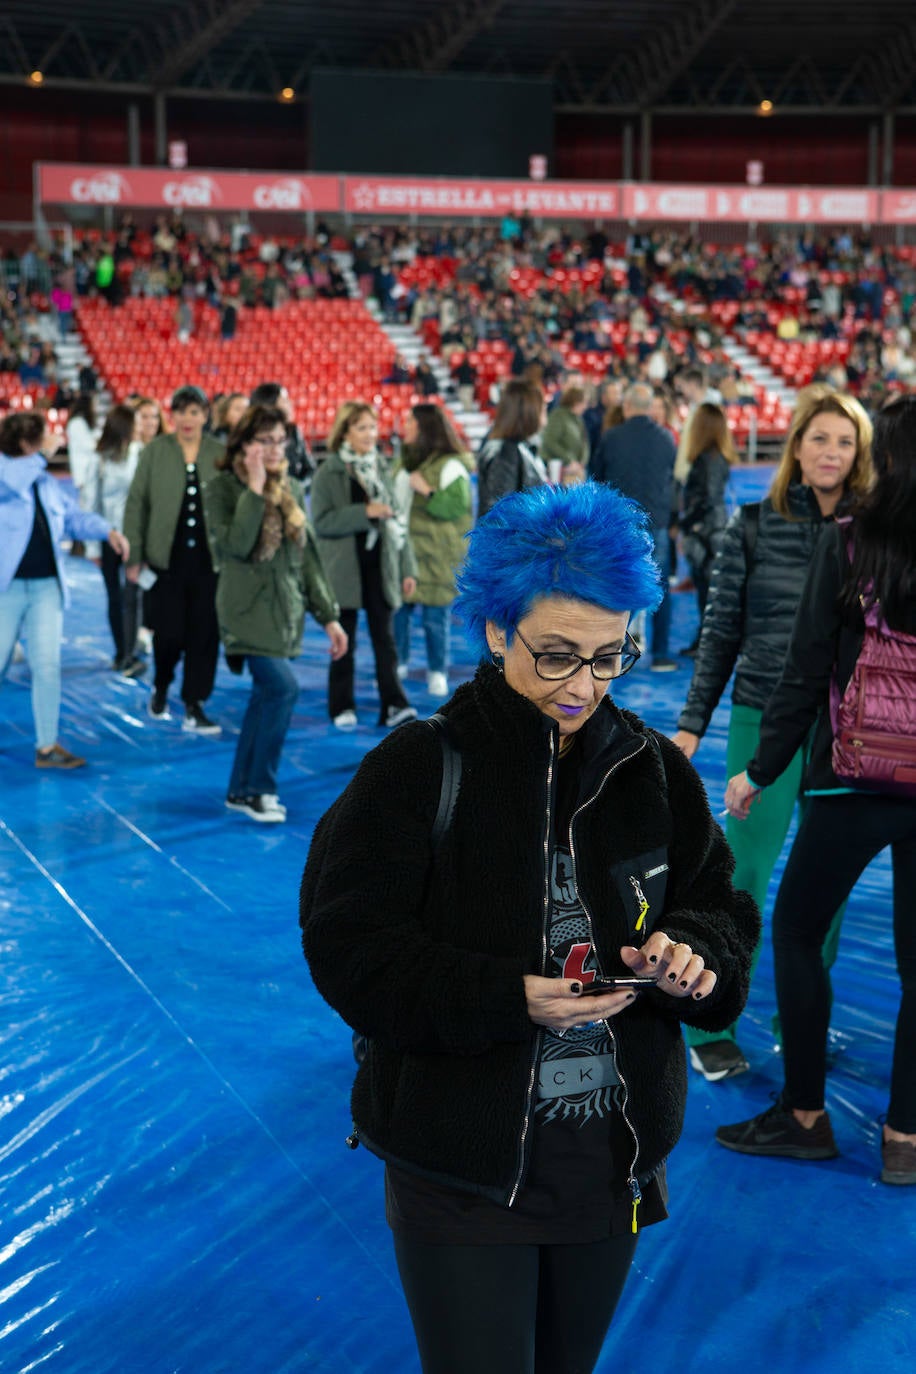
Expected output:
(364, 197)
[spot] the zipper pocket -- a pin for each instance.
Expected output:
(876, 745)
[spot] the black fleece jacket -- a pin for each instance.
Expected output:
(750, 612)
(427, 958)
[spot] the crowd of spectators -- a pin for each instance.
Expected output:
(664, 286)
(646, 306)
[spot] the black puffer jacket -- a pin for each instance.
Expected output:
(504, 465)
(750, 612)
(428, 958)
(705, 515)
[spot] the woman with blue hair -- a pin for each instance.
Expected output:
(522, 977)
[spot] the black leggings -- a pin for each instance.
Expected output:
(123, 604)
(340, 675)
(512, 1309)
(837, 838)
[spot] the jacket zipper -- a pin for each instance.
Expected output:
(632, 1180)
(536, 1050)
(641, 899)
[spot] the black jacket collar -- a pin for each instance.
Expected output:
(491, 716)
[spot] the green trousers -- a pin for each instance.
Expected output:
(757, 842)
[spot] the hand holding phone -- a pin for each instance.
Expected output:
(631, 980)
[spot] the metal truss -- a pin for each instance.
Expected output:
(642, 77)
(184, 54)
(433, 45)
(152, 60)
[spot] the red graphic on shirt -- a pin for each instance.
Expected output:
(574, 963)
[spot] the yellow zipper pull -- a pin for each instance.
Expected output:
(637, 1199)
(641, 899)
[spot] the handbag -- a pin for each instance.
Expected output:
(874, 722)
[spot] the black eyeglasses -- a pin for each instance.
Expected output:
(554, 667)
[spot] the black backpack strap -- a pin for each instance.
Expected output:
(451, 777)
(448, 795)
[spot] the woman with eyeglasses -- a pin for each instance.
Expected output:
(524, 1106)
(270, 572)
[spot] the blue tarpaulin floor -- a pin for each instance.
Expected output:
(175, 1191)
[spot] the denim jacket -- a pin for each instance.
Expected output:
(17, 514)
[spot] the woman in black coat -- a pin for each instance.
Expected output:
(523, 1097)
(710, 452)
(506, 462)
(870, 564)
(756, 584)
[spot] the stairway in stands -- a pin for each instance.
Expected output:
(473, 423)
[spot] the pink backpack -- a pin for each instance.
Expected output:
(874, 722)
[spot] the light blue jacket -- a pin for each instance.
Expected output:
(17, 514)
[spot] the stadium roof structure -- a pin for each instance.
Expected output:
(627, 56)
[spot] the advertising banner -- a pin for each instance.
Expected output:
(456, 198)
(763, 204)
(67, 184)
(429, 196)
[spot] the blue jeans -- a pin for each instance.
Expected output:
(270, 708)
(34, 606)
(436, 627)
(661, 620)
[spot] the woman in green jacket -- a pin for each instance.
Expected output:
(365, 548)
(565, 438)
(434, 482)
(270, 570)
(170, 558)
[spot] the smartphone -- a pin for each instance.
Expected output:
(599, 985)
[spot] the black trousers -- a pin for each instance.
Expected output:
(123, 603)
(182, 615)
(512, 1309)
(837, 838)
(340, 677)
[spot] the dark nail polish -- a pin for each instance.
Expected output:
(698, 996)
(672, 977)
(683, 982)
(631, 996)
(575, 988)
(653, 958)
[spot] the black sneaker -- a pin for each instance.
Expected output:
(397, 715)
(159, 705)
(197, 723)
(717, 1059)
(778, 1132)
(133, 667)
(262, 809)
(898, 1159)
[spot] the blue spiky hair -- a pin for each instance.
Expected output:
(587, 542)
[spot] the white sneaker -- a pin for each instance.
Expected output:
(258, 809)
(273, 803)
(397, 715)
(346, 720)
(402, 671)
(437, 684)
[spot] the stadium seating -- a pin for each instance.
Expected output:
(325, 351)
